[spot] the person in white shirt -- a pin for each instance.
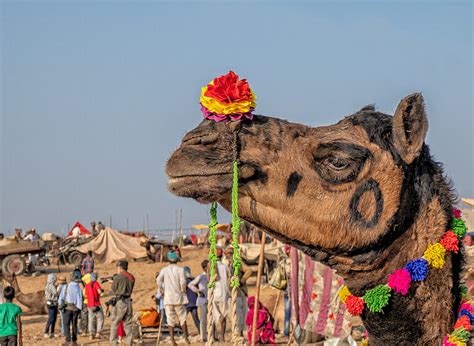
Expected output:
(220, 306)
(172, 283)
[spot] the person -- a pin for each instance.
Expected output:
(191, 307)
(61, 284)
(88, 263)
(32, 235)
(220, 304)
(158, 298)
(94, 229)
(51, 295)
(199, 285)
(10, 320)
(172, 283)
(18, 234)
(70, 301)
(122, 288)
(100, 226)
(96, 315)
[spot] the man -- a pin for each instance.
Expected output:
(18, 234)
(88, 264)
(191, 307)
(220, 306)
(32, 235)
(122, 288)
(199, 286)
(70, 300)
(172, 283)
(93, 291)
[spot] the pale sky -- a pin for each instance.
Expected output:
(96, 95)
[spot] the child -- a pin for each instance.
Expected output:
(10, 321)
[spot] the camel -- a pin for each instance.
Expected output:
(363, 196)
(35, 301)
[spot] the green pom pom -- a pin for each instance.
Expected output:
(463, 290)
(459, 227)
(377, 298)
(461, 333)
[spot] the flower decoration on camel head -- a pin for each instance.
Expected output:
(227, 98)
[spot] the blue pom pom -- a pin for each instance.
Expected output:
(418, 269)
(468, 314)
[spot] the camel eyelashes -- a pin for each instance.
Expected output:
(339, 162)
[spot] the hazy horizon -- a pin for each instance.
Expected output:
(96, 95)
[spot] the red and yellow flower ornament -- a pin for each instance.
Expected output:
(400, 280)
(227, 98)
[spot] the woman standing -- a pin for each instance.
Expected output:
(51, 295)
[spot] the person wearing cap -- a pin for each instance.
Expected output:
(172, 283)
(220, 305)
(70, 299)
(61, 283)
(122, 288)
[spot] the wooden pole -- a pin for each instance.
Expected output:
(159, 330)
(257, 294)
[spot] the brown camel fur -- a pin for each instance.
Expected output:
(363, 196)
(35, 301)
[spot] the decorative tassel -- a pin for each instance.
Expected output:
(344, 293)
(464, 322)
(377, 298)
(212, 244)
(457, 213)
(466, 306)
(461, 333)
(468, 314)
(400, 281)
(355, 305)
(450, 241)
(453, 341)
(459, 227)
(418, 269)
(434, 254)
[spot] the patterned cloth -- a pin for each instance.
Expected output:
(313, 289)
(87, 265)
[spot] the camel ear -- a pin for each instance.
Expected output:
(410, 125)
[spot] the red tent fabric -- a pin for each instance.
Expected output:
(84, 230)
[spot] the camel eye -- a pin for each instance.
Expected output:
(336, 163)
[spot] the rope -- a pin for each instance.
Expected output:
(212, 272)
(210, 318)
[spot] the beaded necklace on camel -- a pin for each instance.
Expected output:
(417, 269)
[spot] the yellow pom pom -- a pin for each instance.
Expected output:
(456, 340)
(434, 254)
(364, 342)
(344, 293)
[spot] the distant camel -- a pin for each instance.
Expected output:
(35, 301)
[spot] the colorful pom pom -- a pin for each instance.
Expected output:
(461, 333)
(457, 213)
(459, 227)
(400, 281)
(344, 293)
(450, 340)
(377, 298)
(468, 314)
(434, 254)
(418, 269)
(355, 305)
(450, 241)
(466, 306)
(464, 322)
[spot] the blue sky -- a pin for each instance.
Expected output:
(96, 95)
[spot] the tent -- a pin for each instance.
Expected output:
(111, 245)
(82, 229)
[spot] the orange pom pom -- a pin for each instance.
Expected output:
(450, 241)
(464, 322)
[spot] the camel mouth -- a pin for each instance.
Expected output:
(204, 188)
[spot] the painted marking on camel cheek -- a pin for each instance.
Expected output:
(292, 184)
(370, 186)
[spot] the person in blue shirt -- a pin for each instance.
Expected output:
(70, 301)
(191, 307)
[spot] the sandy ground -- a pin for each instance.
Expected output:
(145, 287)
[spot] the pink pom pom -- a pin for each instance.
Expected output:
(467, 307)
(457, 213)
(400, 281)
(446, 342)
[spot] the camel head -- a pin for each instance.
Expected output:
(331, 190)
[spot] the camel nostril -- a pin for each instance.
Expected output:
(202, 140)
